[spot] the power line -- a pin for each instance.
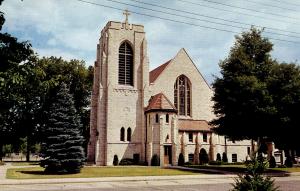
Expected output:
(216, 18)
(178, 15)
(177, 21)
(269, 5)
(231, 11)
(248, 9)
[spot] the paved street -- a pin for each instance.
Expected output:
(207, 184)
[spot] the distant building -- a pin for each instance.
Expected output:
(137, 114)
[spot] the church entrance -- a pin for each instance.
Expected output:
(168, 155)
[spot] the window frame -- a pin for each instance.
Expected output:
(122, 134)
(234, 154)
(191, 137)
(204, 137)
(182, 95)
(126, 64)
(129, 133)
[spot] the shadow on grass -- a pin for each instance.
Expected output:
(38, 172)
(231, 170)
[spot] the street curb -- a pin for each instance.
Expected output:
(112, 179)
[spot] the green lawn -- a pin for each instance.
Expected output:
(294, 169)
(24, 163)
(241, 168)
(89, 172)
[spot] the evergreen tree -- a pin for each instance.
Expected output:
(253, 179)
(180, 160)
(219, 157)
(63, 149)
(224, 157)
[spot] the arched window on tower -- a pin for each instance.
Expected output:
(122, 134)
(182, 95)
(129, 134)
(125, 64)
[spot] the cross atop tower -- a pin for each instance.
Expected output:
(126, 13)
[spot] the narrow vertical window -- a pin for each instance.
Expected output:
(129, 134)
(156, 118)
(122, 134)
(125, 64)
(190, 137)
(205, 137)
(167, 118)
(182, 95)
(234, 157)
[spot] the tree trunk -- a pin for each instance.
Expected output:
(28, 149)
(1, 153)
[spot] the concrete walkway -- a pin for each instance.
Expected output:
(3, 169)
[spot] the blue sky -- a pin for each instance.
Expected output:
(71, 28)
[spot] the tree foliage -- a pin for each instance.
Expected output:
(284, 85)
(19, 84)
(253, 180)
(224, 157)
(63, 149)
(155, 160)
(180, 160)
(243, 103)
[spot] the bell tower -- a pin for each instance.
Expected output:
(121, 83)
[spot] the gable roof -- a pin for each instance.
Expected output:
(160, 102)
(157, 71)
(193, 125)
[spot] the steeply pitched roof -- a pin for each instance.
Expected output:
(157, 71)
(160, 102)
(193, 125)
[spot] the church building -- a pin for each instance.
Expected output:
(137, 113)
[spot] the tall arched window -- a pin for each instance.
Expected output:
(182, 95)
(125, 64)
(122, 134)
(129, 134)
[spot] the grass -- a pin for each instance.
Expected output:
(242, 168)
(92, 172)
(294, 169)
(24, 163)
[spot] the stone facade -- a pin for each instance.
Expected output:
(146, 109)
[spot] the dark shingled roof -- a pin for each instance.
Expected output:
(157, 71)
(160, 102)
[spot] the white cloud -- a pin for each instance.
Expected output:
(71, 29)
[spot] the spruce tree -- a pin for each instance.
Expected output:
(63, 149)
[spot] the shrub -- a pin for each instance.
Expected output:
(203, 156)
(215, 162)
(180, 160)
(288, 161)
(126, 161)
(116, 160)
(136, 158)
(155, 160)
(224, 157)
(253, 179)
(219, 157)
(187, 163)
(272, 162)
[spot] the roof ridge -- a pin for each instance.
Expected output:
(153, 74)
